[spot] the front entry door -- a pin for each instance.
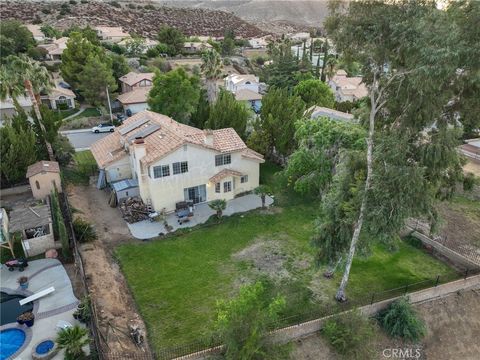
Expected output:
(197, 194)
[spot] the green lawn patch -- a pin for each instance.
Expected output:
(65, 113)
(83, 166)
(89, 112)
(177, 281)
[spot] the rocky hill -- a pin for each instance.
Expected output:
(133, 17)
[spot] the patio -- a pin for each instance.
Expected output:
(48, 310)
(146, 229)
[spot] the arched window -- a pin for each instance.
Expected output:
(248, 83)
(37, 184)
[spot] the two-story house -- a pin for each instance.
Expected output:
(347, 88)
(174, 162)
(55, 49)
(135, 89)
(236, 82)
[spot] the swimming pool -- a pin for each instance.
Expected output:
(44, 347)
(10, 341)
(10, 308)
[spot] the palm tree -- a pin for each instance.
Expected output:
(262, 191)
(20, 74)
(218, 205)
(73, 339)
(212, 69)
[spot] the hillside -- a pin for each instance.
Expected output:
(145, 22)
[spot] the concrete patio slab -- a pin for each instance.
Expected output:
(145, 230)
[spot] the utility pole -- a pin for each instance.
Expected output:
(109, 106)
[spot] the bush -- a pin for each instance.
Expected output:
(114, 4)
(46, 11)
(350, 335)
(84, 231)
(468, 182)
(73, 2)
(84, 1)
(399, 319)
(131, 6)
(149, 7)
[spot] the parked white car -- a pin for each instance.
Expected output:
(106, 127)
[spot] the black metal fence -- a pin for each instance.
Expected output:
(322, 311)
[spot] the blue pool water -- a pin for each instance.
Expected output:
(10, 341)
(44, 347)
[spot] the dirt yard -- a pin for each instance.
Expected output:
(112, 298)
(453, 326)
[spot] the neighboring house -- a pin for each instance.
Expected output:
(251, 97)
(471, 149)
(7, 107)
(195, 47)
(135, 89)
(5, 241)
(319, 111)
(111, 34)
(59, 97)
(174, 162)
(34, 223)
(235, 82)
(134, 80)
(38, 35)
(149, 43)
(134, 101)
(44, 177)
(55, 49)
(258, 43)
(347, 88)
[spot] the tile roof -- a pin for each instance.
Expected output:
(136, 96)
(41, 166)
(318, 111)
(168, 137)
(223, 174)
(250, 154)
(239, 78)
(349, 85)
(132, 77)
(246, 94)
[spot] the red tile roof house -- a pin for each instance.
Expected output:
(347, 88)
(174, 162)
(135, 89)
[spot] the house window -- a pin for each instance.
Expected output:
(223, 159)
(37, 184)
(244, 179)
(161, 171)
(217, 187)
(227, 186)
(180, 167)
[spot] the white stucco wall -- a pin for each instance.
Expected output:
(119, 170)
(164, 192)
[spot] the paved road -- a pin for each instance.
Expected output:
(82, 139)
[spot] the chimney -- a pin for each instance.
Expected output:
(208, 140)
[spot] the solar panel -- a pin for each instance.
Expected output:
(144, 132)
(132, 126)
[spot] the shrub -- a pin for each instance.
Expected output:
(84, 1)
(114, 4)
(227, 62)
(84, 231)
(73, 339)
(350, 335)
(131, 6)
(37, 20)
(399, 319)
(149, 7)
(73, 2)
(468, 182)
(46, 11)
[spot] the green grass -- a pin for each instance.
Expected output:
(84, 165)
(65, 113)
(89, 112)
(177, 281)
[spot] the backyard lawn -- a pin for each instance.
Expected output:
(176, 282)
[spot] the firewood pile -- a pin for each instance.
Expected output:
(133, 210)
(144, 22)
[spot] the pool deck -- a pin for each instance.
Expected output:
(48, 310)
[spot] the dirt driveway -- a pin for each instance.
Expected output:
(108, 288)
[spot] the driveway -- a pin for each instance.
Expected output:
(146, 229)
(82, 139)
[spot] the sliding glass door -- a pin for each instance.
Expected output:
(197, 194)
